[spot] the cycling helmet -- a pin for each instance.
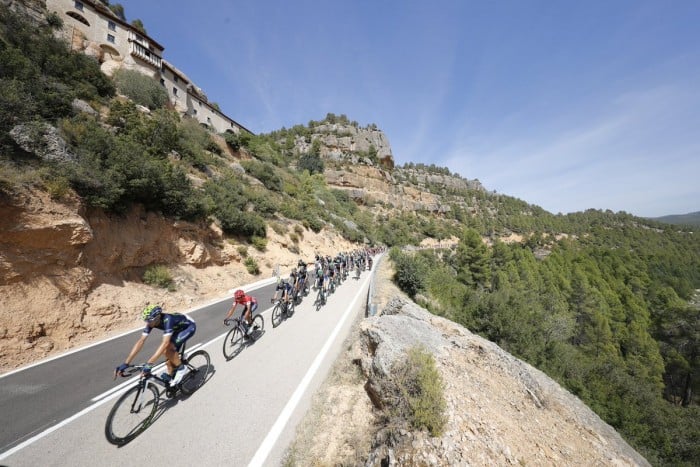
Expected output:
(301, 263)
(238, 294)
(151, 312)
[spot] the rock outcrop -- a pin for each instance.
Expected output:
(500, 410)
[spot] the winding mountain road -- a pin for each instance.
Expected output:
(53, 413)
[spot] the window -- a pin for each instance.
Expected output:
(194, 111)
(110, 38)
(200, 103)
(162, 82)
(111, 25)
(174, 91)
(175, 78)
(78, 5)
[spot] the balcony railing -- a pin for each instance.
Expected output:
(143, 53)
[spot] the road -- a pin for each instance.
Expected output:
(54, 413)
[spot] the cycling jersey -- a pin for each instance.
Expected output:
(246, 300)
(171, 323)
(178, 326)
(283, 286)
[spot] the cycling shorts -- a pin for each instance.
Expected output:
(180, 337)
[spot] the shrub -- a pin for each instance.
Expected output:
(411, 272)
(260, 243)
(265, 172)
(311, 162)
(279, 228)
(252, 266)
(294, 237)
(243, 251)
(414, 393)
(141, 88)
(299, 230)
(237, 140)
(57, 187)
(158, 276)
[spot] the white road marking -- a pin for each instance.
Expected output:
(276, 430)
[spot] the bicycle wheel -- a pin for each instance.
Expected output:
(290, 309)
(198, 364)
(258, 327)
(233, 342)
(131, 414)
(276, 315)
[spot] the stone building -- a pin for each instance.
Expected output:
(91, 27)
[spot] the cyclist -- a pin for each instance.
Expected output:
(177, 328)
(285, 288)
(294, 282)
(250, 304)
(302, 275)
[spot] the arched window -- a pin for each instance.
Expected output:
(109, 50)
(78, 17)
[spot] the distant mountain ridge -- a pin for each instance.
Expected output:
(692, 218)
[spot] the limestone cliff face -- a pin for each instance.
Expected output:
(347, 142)
(370, 184)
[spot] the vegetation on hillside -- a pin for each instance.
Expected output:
(609, 314)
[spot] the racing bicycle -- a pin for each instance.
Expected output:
(236, 339)
(136, 409)
(282, 310)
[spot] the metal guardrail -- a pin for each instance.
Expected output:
(371, 308)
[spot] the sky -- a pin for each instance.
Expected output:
(565, 104)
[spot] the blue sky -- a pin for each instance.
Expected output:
(565, 104)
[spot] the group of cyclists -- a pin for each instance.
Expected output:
(178, 328)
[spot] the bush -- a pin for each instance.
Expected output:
(243, 251)
(310, 162)
(141, 88)
(252, 266)
(414, 393)
(294, 237)
(158, 276)
(279, 228)
(265, 172)
(260, 243)
(411, 272)
(237, 140)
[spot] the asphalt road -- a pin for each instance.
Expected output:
(54, 413)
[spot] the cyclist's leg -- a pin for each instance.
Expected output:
(172, 353)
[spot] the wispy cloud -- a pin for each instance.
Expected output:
(626, 158)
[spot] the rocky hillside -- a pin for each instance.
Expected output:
(499, 410)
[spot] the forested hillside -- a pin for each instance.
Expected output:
(610, 313)
(604, 302)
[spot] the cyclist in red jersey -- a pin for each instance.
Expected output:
(250, 304)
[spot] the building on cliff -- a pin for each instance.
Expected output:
(92, 28)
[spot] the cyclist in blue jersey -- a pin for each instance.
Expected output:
(285, 288)
(177, 328)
